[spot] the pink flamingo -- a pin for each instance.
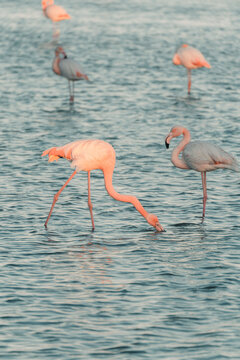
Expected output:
(67, 68)
(190, 58)
(90, 155)
(55, 13)
(199, 156)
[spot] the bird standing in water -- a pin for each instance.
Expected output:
(87, 155)
(55, 13)
(199, 156)
(67, 68)
(190, 58)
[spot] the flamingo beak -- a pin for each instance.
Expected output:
(59, 50)
(168, 139)
(166, 143)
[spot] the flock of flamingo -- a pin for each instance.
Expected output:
(88, 155)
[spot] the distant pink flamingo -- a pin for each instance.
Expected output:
(90, 155)
(55, 13)
(190, 58)
(67, 68)
(199, 156)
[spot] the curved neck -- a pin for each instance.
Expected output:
(55, 65)
(125, 198)
(179, 148)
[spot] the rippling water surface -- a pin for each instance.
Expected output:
(123, 291)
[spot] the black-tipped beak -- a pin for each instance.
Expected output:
(166, 144)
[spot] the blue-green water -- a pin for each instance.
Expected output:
(124, 291)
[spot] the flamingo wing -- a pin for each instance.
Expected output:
(84, 155)
(192, 58)
(56, 13)
(92, 154)
(71, 70)
(204, 156)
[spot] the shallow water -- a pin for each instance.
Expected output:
(123, 291)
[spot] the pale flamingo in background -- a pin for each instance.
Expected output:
(190, 58)
(199, 156)
(90, 155)
(67, 68)
(55, 13)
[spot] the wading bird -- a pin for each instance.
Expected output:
(199, 156)
(190, 58)
(67, 68)
(87, 155)
(55, 13)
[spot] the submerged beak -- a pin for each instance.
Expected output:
(86, 77)
(159, 227)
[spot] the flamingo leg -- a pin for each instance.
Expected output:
(204, 185)
(89, 201)
(69, 87)
(56, 31)
(56, 196)
(71, 91)
(189, 81)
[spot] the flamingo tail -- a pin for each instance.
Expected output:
(53, 154)
(206, 64)
(64, 17)
(202, 63)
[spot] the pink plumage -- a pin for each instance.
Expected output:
(200, 156)
(55, 13)
(190, 58)
(88, 155)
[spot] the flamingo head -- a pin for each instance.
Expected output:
(46, 3)
(59, 50)
(153, 220)
(174, 132)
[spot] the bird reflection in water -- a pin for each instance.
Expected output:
(94, 263)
